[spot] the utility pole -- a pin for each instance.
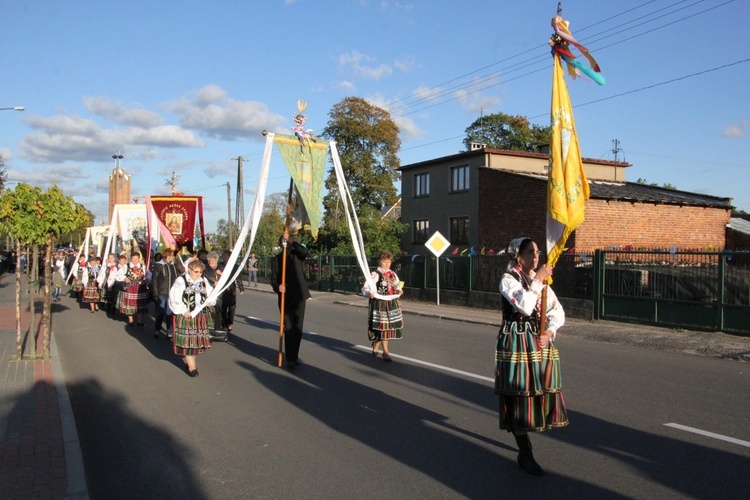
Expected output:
(616, 149)
(239, 210)
(230, 235)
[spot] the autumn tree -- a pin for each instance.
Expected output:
(33, 217)
(502, 131)
(368, 143)
(3, 174)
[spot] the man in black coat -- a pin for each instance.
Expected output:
(163, 276)
(294, 293)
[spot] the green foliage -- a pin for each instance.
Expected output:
(3, 174)
(31, 215)
(502, 131)
(368, 143)
(220, 239)
(378, 234)
(666, 185)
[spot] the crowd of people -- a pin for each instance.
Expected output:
(527, 364)
(179, 286)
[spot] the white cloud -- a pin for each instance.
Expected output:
(221, 170)
(736, 129)
(62, 174)
(345, 85)
(6, 153)
(117, 112)
(408, 129)
(472, 99)
(405, 64)
(355, 63)
(210, 112)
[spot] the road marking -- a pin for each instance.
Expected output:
(398, 356)
(709, 434)
(433, 365)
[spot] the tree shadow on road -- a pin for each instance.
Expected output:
(415, 437)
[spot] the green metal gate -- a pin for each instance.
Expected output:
(702, 290)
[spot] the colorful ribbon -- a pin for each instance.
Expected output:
(561, 41)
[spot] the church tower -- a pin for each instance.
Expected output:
(119, 186)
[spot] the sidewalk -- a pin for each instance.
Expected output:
(40, 456)
(713, 344)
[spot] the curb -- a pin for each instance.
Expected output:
(76, 475)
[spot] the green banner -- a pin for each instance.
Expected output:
(306, 162)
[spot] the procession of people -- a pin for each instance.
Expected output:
(527, 364)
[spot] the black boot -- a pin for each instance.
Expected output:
(526, 457)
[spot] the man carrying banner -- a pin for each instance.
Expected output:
(292, 295)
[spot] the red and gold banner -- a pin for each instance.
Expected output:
(178, 214)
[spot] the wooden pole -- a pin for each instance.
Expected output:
(283, 270)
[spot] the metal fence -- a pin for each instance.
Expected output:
(706, 290)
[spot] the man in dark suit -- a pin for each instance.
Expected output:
(294, 293)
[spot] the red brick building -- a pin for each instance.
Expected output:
(485, 197)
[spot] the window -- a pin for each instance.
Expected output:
(460, 179)
(422, 184)
(459, 230)
(421, 230)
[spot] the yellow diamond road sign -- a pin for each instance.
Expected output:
(437, 244)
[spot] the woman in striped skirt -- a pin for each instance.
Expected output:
(527, 364)
(91, 292)
(190, 334)
(135, 298)
(385, 319)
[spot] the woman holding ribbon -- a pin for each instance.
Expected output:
(385, 321)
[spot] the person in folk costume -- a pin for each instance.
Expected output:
(191, 335)
(527, 364)
(78, 285)
(135, 298)
(228, 301)
(385, 321)
(91, 293)
(164, 274)
(118, 286)
(295, 294)
(108, 293)
(212, 272)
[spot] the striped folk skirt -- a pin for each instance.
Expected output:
(91, 292)
(385, 320)
(134, 299)
(190, 336)
(77, 285)
(528, 380)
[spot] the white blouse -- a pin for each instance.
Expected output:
(524, 301)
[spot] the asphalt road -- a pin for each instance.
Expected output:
(346, 425)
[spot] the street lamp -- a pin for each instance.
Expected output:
(14, 108)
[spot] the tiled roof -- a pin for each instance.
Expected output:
(740, 225)
(643, 193)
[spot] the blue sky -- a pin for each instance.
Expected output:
(187, 86)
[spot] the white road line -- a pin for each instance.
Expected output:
(709, 434)
(432, 365)
(413, 360)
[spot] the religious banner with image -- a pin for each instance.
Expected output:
(178, 214)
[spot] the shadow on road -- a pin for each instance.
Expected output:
(414, 436)
(113, 471)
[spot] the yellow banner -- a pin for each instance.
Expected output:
(567, 187)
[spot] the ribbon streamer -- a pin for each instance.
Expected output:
(561, 41)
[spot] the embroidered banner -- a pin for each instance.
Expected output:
(178, 214)
(306, 161)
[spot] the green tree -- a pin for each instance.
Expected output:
(271, 224)
(3, 174)
(502, 131)
(666, 185)
(33, 217)
(368, 143)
